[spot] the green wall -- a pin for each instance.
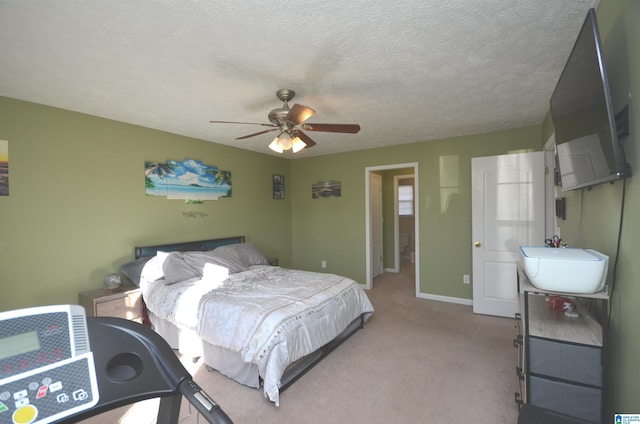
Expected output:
(77, 203)
(595, 223)
(337, 225)
(593, 215)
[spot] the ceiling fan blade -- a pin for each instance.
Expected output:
(236, 122)
(340, 128)
(299, 114)
(307, 140)
(258, 133)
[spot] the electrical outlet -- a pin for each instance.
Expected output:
(465, 279)
(324, 263)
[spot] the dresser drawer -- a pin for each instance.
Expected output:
(578, 363)
(573, 400)
(122, 303)
(127, 307)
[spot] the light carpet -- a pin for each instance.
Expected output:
(415, 361)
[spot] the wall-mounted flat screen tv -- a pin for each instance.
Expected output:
(587, 146)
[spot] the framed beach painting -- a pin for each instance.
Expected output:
(189, 180)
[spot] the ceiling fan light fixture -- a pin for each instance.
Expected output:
(298, 145)
(284, 141)
(275, 146)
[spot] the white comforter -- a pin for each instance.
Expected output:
(272, 316)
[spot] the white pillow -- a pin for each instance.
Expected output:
(152, 270)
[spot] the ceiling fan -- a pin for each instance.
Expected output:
(290, 124)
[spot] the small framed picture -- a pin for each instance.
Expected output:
(330, 188)
(278, 186)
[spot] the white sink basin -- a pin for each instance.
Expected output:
(566, 270)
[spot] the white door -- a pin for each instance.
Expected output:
(508, 211)
(376, 224)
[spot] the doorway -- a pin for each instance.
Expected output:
(404, 229)
(507, 202)
(369, 220)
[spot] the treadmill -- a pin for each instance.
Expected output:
(56, 365)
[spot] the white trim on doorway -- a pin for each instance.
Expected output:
(368, 170)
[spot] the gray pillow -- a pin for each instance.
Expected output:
(224, 258)
(175, 268)
(247, 253)
(133, 269)
(180, 266)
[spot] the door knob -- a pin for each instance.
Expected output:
(476, 244)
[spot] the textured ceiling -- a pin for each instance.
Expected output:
(406, 71)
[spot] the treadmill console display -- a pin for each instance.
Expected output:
(47, 369)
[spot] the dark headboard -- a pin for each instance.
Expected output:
(149, 251)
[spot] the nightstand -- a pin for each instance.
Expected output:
(124, 302)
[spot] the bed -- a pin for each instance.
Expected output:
(253, 321)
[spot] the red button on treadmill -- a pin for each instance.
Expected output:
(42, 392)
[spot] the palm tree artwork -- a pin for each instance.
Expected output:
(189, 180)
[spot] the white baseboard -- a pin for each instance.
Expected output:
(448, 299)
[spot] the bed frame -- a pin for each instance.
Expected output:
(148, 251)
(298, 368)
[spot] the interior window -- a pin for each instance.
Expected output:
(405, 200)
